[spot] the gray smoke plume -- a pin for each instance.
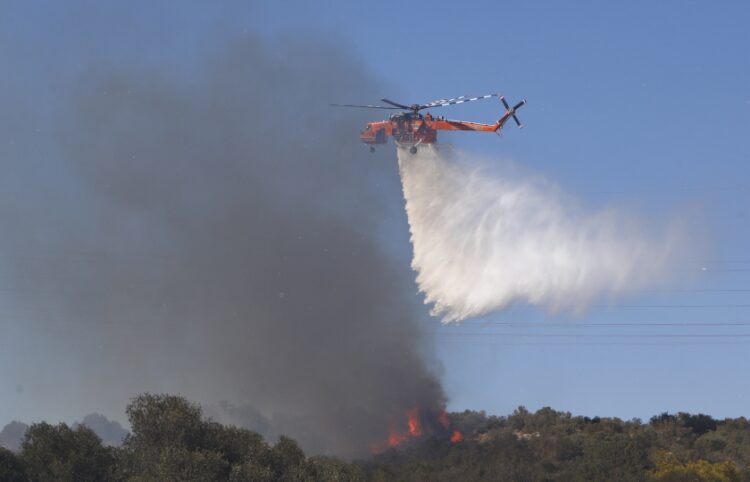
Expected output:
(109, 431)
(485, 238)
(213, 231)
(12, 434)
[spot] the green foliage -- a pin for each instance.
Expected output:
(164, 421)
(613, 456)
(332, 470)
(699, 424)
(670, 469)
(11, 467)
(59, 453)
(171, 440)
(555, 446)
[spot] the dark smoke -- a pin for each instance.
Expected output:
(246, 416)
(109, 431)
(12, 434)
(214, 231)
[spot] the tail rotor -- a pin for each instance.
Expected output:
(511, 111)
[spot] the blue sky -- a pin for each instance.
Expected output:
(644, 105)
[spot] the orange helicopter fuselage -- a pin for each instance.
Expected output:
(411, 129)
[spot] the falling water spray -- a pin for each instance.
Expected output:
(484, 238)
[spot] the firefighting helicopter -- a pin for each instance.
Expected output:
(409, 128)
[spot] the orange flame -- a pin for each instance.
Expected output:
(414, 429)
(395, 438)
(415, 426)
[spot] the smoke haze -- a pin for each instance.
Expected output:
(210, 231)
(485, 238)
(12, 434)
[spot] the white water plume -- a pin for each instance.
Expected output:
(484, 238)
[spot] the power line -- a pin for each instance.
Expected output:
(587, 335)
(675, 306)
(599, 343)
(607, 325)
(725, 261)
(722, 270)
(696, 290)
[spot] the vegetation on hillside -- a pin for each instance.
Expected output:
(171, 440)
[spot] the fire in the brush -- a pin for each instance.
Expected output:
(417, 424)
(415, 427)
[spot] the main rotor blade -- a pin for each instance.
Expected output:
(364, 106)
(518, 122)
(400, 106)
(455, 100)
(519, 104)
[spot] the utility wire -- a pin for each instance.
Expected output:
(587, 335)
(532, 324)
(597, 343)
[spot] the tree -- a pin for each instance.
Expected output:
(614, 456)
(331, 470)
(59, 453)
(670, 469)
(699, 424)
(168, 442)
(288, 460)
(171, 441)
(163, 421)
(11, 467)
